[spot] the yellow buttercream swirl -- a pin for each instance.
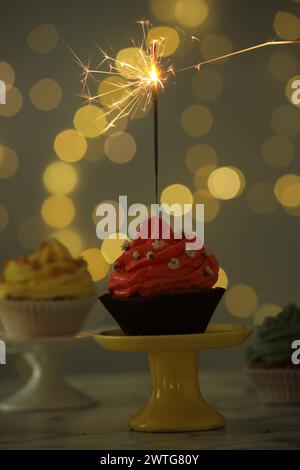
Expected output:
(48, 273)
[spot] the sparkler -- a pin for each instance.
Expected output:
(141, 78)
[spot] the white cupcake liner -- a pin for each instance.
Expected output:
(27, 318)
(281, 386)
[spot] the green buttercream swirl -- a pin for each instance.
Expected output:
(271, 341)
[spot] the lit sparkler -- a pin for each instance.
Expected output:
(142, 78)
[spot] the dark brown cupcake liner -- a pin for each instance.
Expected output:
(185, 312)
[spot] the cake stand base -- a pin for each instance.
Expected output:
(46, 389)
(176, 403)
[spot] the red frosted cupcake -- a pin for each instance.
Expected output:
(159, 287)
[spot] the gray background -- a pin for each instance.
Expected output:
(262, 252)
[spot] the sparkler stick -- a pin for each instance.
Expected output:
(155, 117)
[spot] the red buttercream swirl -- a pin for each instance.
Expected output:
(150, 267)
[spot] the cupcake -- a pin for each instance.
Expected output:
(47, 293)
(270, 357)
(158, 287)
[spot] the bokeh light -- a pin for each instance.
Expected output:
(58, 211)
(191, 13)
(207, 84)
(241, 301)
(3, 218)
(215, 45)
(111, 90)
(32, 232)
(120, 147)
(287, 190)
(266, 310)
(201, 159)
(287, 25)
(46, 94)
(90, 121)
(283, 65)
(222, 279)
(60, 178)
(293, 211)
(290, 90)
(277, 151)
(286, 120)
(70, 145)
(261, 199)
(163, 10)
(43, 39)
(211, 205)
(131, 62)
(111, 247)
(7, 74)
(14, 102)
(196, 120)
(177, 194)
(97, 265)
(71, 240)
(168, 40)
(224, 183)
(9, 162)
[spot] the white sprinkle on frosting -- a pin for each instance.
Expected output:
(126, 245)
(190, 253)
(150, 255)
(174, 264)
(208, 271)
(158, 244)
(136, 255)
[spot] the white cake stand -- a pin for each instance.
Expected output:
(47, 389)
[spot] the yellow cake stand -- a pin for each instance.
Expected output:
(176, 403)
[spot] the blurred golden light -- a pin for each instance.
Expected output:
(211, 205)
(207, 84)
(278, 151)
(119, 126)
(191, 13)
(224, 183)
(111, 247)
(7, 74)
(46, 94)
(177, 194)
(215, 45)
(266, 310)
(261, 199)
(293, 211)
(241, 301)
(111, 90)
(131, 62)
(287, 26)
(71, 240)
(222, 279)
(58, 211)
(286, 120)
(196, 120)
(3, 218)
(142, 111)
(70, 145)
(287, 190)
(90, 121)
(32, 232)
(167, 38)
(163, 10)
(14, 102)
(60, 178)
(120, 147)
(283, 65)
(43, 39)
(97, 265)
(201, 159)
(9, 162)
(119, 212)
(290, 90)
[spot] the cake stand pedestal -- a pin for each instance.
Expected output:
(46, 389)
(175, 402)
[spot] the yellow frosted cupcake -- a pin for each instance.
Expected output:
(47, 293)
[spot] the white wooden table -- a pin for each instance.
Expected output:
(250, 425)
